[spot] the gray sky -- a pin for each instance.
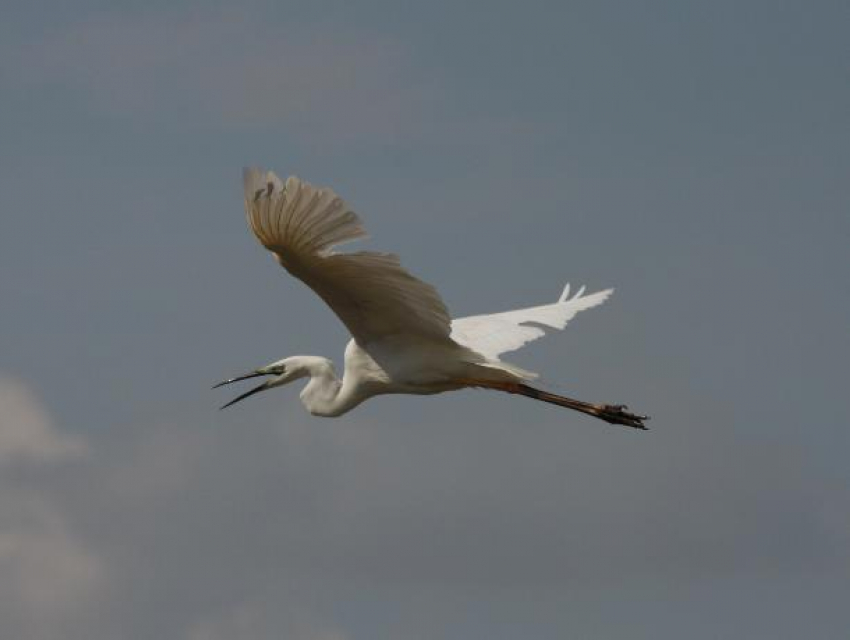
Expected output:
(693, 155)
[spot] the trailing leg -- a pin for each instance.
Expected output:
(611, 413)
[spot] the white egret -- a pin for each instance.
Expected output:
(403, 339)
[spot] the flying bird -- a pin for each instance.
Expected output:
(403, 339)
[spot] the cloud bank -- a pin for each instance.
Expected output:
(232, 529)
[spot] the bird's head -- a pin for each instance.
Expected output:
(280, 372)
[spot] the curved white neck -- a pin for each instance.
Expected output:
(325, 394)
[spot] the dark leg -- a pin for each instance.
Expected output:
(611, 413)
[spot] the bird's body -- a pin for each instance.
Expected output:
(387, 366)
(416, 371)
(403, 339)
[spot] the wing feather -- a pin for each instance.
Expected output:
(371, 292)
(494, 334)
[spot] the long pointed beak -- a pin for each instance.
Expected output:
(247, 376)
(256, 389)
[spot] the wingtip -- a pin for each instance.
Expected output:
(256, 179)
(566, 297)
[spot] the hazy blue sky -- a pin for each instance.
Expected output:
(696, 156)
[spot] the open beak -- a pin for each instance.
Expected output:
(247, 376)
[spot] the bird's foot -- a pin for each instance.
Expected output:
(617, 414)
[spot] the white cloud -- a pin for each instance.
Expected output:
(26, 432)
(49, 574)
(48, 571)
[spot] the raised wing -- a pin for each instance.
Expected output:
(497, 333)
(370, 292)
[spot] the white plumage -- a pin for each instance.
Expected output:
(403, 339)
(370, 292)
(496, 333)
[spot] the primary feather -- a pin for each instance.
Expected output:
(494, 334)
(371, 292)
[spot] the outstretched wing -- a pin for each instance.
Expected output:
(497, 333)
(370, 292)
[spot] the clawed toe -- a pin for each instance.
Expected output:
(617, 414)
